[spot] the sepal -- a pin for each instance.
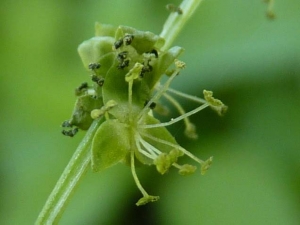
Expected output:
(110, 145)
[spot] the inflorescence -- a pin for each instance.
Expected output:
(126, 66)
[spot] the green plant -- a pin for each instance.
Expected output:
(117, 110)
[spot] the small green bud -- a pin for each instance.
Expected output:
(179, 64)
(205, 165)
(174, 154)
(190, 131)
(134, 73)
(163, 163)
(110, 104)
(215, 104)
(187, 169)
(96, 113)
(147, 199)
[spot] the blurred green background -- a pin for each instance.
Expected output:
(251, 63)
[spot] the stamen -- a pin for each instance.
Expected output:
(130, 84)
(172, 121)
(136, 179)
(176, 165)
(189, 127)
(158, 94)
(130, 77)
(138, 145)
(174, 146)
(146, 197)
(187, 96)
(150, 147)
(185, 169)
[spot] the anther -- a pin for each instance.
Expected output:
(118, 43)
(70, 133)
(174, 8)
(98, 80)
(122, 55)
(123, 64)
(94, 66)
(66, 124)
(128, 39)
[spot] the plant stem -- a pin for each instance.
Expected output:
(69, 180)
(176, 21)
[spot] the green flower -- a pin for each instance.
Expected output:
(126, 66)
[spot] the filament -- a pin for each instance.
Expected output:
(174, 146)
(172, 121)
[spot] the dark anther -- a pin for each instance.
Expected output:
(151, 106)
(179, 11)
(118, 43)
(174, 8)
(155, 53)
(98, 80)
(123, 64)
(66, 124)
(128, 39)
(122, 55)
(81, 88)
(94, 66)
(70, 133)
(94, 97)
(146, 69)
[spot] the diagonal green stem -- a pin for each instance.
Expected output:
(175, 22)
(69, 180)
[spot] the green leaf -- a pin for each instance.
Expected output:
(110, 145)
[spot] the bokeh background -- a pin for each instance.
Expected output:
(250, 62)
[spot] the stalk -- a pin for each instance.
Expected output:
(69, 180)
(176, 21)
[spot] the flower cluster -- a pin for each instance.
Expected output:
(126, 66)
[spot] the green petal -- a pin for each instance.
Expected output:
(144, 41)
(81, 116)
(104, 30)
(92, 50)
(115, 87)
(110, 145)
